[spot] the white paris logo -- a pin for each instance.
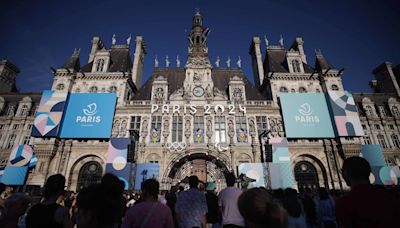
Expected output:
(305, 109)
(91, 110)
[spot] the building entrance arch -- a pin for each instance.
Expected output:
(206, 167)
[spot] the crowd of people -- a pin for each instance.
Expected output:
(106, 205)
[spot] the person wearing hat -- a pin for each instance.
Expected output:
(213, 216)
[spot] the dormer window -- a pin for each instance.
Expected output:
(24, 110)
(296, 66)
(99, 65)
(283, 90)
(395, 111)
(302, 90)
(60, 87)
(93, 89)
(334, 87)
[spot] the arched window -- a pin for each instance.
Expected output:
(296, 66)
(382, 141)
(77, 90)
(93, 89)
(302, 90)
(292, 90)
(10, 111)
(382, 111)
(396, 141)
(318, 90)
(395, 111)
(99, 65)
(283, 89)
(334, 87)
(89, 174)
(60, 87)
(306, 175)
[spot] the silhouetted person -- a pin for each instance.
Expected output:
(326, 209)
(213, 215)
(259, 211)
(149, 213)
(309, 208)
(96, 207)
(292, 205)
(171, 201)
(115, 188)
(228, 203)
(365, 205)
(191, 206)
(48, 213)
(15, 205)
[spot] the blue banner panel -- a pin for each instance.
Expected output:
(306, 115)
(89, 115)
(254, 171)
(117, 160)
(281, 173)
(49, 114)
(14, 175)
(344, 112)
(146, 171)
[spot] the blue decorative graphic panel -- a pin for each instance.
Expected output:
(146, 171)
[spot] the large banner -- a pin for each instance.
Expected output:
(306, 115)
(281, 173)
(49, 114)
(381, 173)
(254, 171)
(89, 115)
(146, 171)
(22, 158)
(344, 113)
(117, 160)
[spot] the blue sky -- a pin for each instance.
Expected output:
(355, 35)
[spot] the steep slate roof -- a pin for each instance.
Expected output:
(73, 62)
(275, 61)
(176, 77)
(120, 61)
(321, 63)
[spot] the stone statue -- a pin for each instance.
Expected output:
(239, 63)
(217, 62)
(266, 41)
(166, 61)
(281, 41)
(128, 41)
(196, 77)
(228, 62)
(113, 39)
(156, 62)
(209, 92)
(178, 62)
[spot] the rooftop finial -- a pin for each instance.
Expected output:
(76, 52)
(178, 62)
(128, 41)
(228, 62)
(197, 11)
(281, 41)
(156, 62)
(113, 40)
(266, 41)
(239, 63)
(166, 61)
(217, 62)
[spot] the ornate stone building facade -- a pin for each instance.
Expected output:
(198, 117)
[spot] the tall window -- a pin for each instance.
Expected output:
(100, 65)
(24, 110)
(334, 87)
(93, 89)
(395, 111)
(382, 141)
(396, 141)
(11, 141)
(198, 134)
(220, 129)
(155, 131)
(26, 139)
(177, 126)
(241, 129)
(382, 111)
(10, 111)
(296, 66)
(135, 123)
(60, 87)
(368, 110)
(302, 90)
(262, 124)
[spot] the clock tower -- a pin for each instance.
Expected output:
(198, 84)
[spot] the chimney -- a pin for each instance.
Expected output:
(96, 45)
(257, 65)
(300, 43)
(138, 62)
